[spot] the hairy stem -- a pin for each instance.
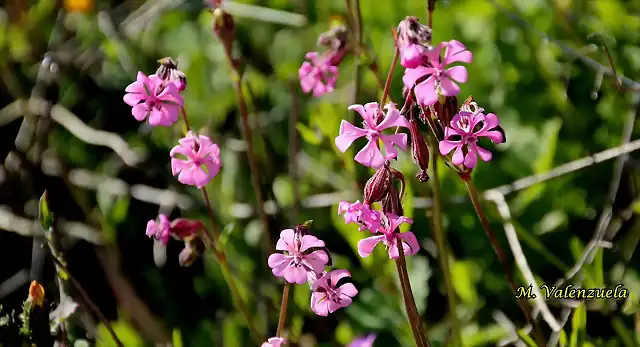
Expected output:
(524, 305)
(211, 242)
(414, 318)
(88, 303)
(441, 240)
(283, 309)
(387, 83)
(235, 293)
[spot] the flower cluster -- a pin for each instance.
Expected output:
(195, 160)
(320, 73)
(304, 261)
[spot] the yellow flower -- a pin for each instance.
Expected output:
(36, 293)
(78, 5)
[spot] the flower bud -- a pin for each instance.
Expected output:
(448, 110)
(377, 186)
(187, 256)
(419, 150)
(224, 27)
(413, 42)
(182, 228)
(392, 202)
(303, 229)
(168, 71)
(36, 293)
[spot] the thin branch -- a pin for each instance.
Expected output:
(521, 260)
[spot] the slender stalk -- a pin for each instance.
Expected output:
(387, 83)
(412, 311)
(211, 242)
(440, 238)
(89, 304)
(431, 6)
(226, 272)
(283, 309)
(524, 305)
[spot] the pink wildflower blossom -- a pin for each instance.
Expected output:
(326, 297)
(295, 265)
(159, 230)
(439, 79)
(318, 75)
(373, 125)
(274, 342)
(389, 238)
(365, 341)
(360, 213)
(463, 133)
(151, 98)
(201, 160)
(413, 42)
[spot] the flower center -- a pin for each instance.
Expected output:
(464, 123)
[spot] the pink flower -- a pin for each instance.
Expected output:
(319, 75)
(295, 265)
(463, 133)
(440, 80)
(151, 98)
(413, 42)
(389, 238)
(274, 342)
(374, 123)
(159, 230)
(365, 341)
(326, 297)
(201, 160)
(360, 213)
(182, 227)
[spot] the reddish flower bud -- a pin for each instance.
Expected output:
(377, 186)
(36, 293)
(183, 228)
(303, 229)
(193, 249)
(448, 110)
(392, 202)
(224, 27)
(168, 71)
(419, 150)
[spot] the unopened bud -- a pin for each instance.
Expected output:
(392, 202)
(187, 256)
(448, 110)
(419, 150)
(168, 71)
(303, 229)
(36, 293)
(377, 186)
(224, 27)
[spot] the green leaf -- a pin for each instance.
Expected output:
(45, 217)
(283, 191)
(526, 338)
(120, 209)
(465, 276)
(125, 332)
(176, 338)
(578, 325)
(308, 135)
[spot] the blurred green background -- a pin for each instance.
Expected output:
(554, 109)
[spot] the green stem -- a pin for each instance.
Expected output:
(412, 312)
(87, 300)
(524, 305)
(228, 277)
(283, 309)
(440, 238)
(221, 257)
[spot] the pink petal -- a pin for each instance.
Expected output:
(483, 153)
(139, 85)
(393, 118)
(471, 159)
(447, 146)
(295, 274)
(360, 110)
(335, 276)
(458, 156)
(366, 246)
(151, 228)
(348, 134)
(458, 74)
(410, 239)
(494, 135)
(157, 116)
(344, 302)
(200, 177)
(449, 87)
(140, 111)
(426, 92)
(491, 121)
(456, 52)
(309, 241)
(393, 250)
(311, 56)
(412, 75)
(399, 140)
(348, 289)
(319, 305)
(285, 243)
(411, 55)
(186, 176)
(316, 260)
(277, 259)
(370, 155)
(133, 99)
(178, 165)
